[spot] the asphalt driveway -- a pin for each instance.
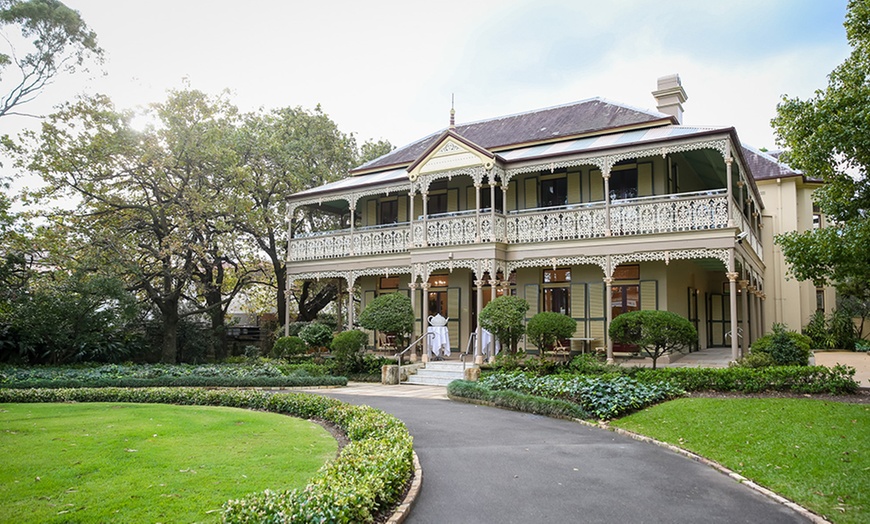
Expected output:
(487, 465)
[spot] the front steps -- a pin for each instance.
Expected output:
(437, 374)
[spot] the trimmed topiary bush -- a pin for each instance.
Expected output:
(348, 349)
(786, 348)
(655, 332)
(503, 317)
(391, 314)
(547, 327)
(288, 347)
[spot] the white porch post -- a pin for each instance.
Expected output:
(477, 213)
(744, 304)
(425, 195)
(729, 189)
(415, 306)
(492, 210)
(350, 247)
(607, 230)
(608, 311)
(732, 295)
(425, 291)
(411, 217)
(350, 291)
(478, 342)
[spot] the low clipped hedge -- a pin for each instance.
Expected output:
(838, 380)
(365, 480)
(166, 375)
(515, 400)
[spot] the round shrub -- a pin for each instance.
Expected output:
(348, 348)
(786, 348)
(392, 314)
(286, 347)
(756, 360)
(503, 317)
(547, 327)
(655, 332)
(316, 335)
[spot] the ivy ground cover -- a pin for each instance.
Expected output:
(813, 452)
(122, 462)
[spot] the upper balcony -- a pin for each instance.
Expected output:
(457, 194)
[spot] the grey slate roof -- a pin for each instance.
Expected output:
(766, 165)
(577, 118)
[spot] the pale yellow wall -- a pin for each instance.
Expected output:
(788, 207)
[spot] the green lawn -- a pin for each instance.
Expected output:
(117, 462)
(811, 451)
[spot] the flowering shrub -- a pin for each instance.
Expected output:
(602, 397)
(366, 479)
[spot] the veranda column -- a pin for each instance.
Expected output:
(415, 306)
(608, 305)
(477, 213)
(411, 218)
(729, 189)
(350, 241)
(744, 304)
(478, 342)
(350, 291)
(425, 196)
(732, 295)
(492, 210)
(607, 231)
(425, 292)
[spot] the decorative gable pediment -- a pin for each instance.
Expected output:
(450, 153)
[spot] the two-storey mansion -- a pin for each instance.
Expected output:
(590, 209)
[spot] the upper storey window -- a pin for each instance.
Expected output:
(554, 192)
(389, 212)
(623, 183)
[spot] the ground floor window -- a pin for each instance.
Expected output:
(624, 298)
(558, 300)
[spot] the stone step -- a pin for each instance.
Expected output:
(417, 380)
(437, 374)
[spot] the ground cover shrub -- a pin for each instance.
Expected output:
(838, 380)
(756, 360)
(786, 348)
(367, 478)
(602, 397)
(515, 400)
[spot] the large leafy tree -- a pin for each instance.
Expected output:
(145, 202)
(283, 152)
(59, 41)
(828, 136)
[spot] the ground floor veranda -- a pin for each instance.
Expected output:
(713, 288)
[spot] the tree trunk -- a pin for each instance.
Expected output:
(281, 283)
(169, 352)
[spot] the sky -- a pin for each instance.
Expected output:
(384, 69)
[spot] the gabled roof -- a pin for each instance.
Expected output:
(767, 166)
(542, 125)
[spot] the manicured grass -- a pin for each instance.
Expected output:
(811, 451)
(118, 462)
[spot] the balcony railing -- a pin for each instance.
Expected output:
(638, 216)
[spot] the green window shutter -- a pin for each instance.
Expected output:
(531, 294)
(574, 196)
(596, 186)
(471, 197)
(371, 212)
(649, 299)
(531, 193)
(403, 209)
(578, 301)
(596, 300)
(644, 179)
(454, 295)
(596, 331)
(452, 200)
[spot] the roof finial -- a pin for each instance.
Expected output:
(452, 111)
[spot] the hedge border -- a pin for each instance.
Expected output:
(366, 480)
(177, 382)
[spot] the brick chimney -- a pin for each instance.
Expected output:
(670, 96)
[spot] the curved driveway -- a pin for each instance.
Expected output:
(488, 465)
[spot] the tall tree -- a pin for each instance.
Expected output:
(60, 41)
(144, 199)
(828, 136)
(284, 152)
